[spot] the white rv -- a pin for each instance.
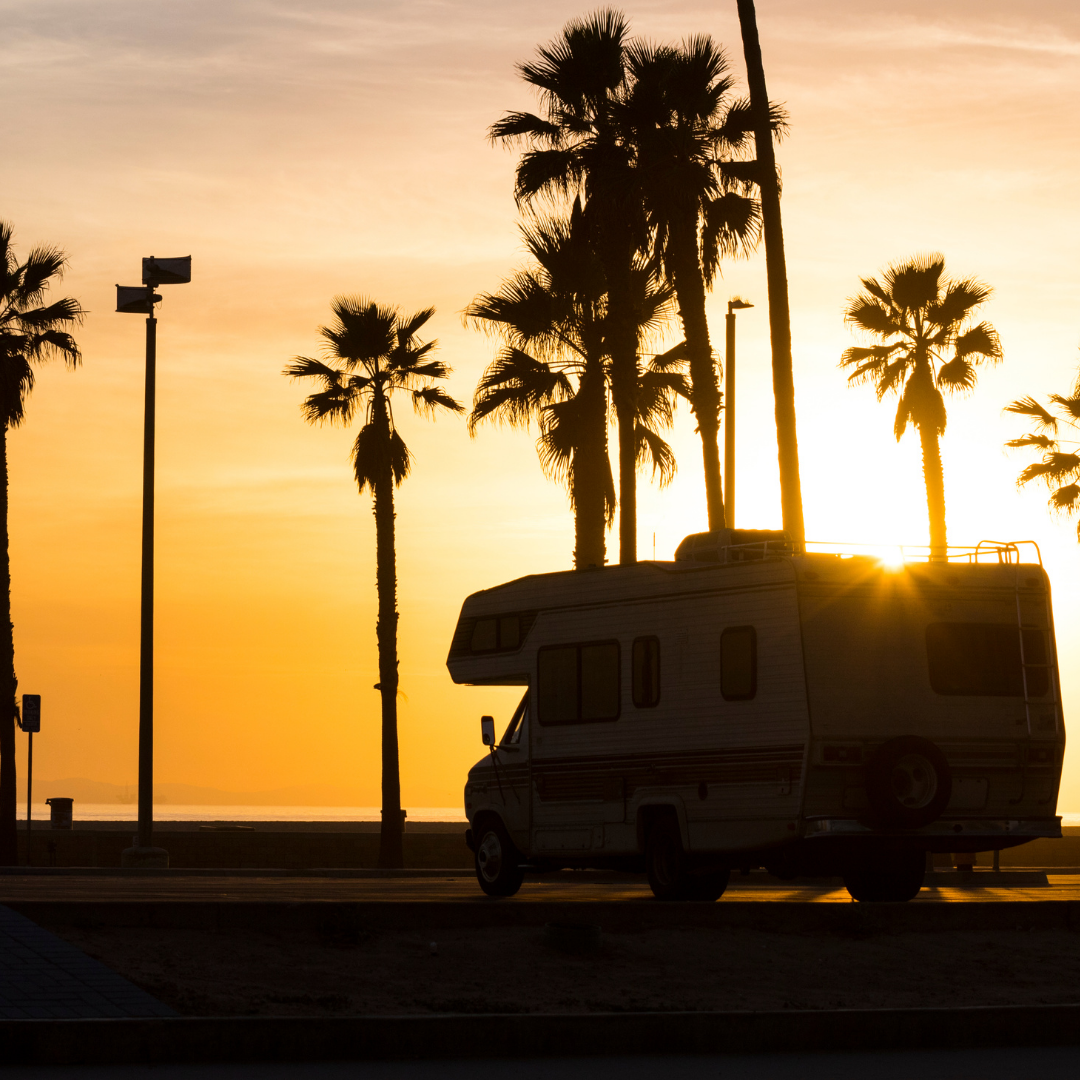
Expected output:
(742, 706)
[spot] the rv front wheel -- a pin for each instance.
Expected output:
(665, 861)
(497, 863)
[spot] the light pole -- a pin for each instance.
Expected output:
(734, 305)
(138, 300)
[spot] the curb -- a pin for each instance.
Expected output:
(373, 1038)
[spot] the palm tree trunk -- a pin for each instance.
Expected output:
(705, 389)
(787, 442)
(622, 347)
(391, 853)
(591, 472)
(934, 476)
(9, 842)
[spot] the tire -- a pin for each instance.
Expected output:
(908, 783)
(709, 887)
(665, 861)
(894, 880)
(497, 861)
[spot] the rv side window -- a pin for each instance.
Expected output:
(578, 684)
(496, 634)
(646, 672)
(738, 663)
(983, 659)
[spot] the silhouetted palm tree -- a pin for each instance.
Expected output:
(682, 125)
(576, 147)
(372, 352)
(1060, 467)
(31, 331)
(920, 315)
(554, 369)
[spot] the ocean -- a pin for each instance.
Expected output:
(181, 812)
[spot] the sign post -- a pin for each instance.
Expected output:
(30, 722)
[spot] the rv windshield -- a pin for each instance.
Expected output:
(512, 735)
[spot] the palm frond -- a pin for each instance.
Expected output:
(1066, 499)
(960, 299)
(979, 343)
(958, 374)
(652, 449)
(427, 400)
(1030, 407)
(515, 126)
(515, 387)
(1043, 442)
(1069, 405)
(731, 228)
(915, 285)
(869, 313)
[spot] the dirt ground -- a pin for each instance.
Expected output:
(202, 973)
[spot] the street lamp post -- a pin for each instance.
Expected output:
(138, 300)
(734, 305)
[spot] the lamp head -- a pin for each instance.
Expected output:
(736, 303)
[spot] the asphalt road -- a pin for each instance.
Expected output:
(456, 887)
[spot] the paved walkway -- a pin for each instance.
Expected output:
(43, 977)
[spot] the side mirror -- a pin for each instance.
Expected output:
(487, 730)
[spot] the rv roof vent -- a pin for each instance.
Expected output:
(733, 545)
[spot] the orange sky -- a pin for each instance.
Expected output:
(302, 151)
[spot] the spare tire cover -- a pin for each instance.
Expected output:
(908, 783)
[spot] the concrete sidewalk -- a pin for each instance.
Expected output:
(43, 977)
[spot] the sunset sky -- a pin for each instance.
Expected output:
(299, 151)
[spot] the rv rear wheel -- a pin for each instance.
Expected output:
(665, 861)
(497, 861)
(894, 881)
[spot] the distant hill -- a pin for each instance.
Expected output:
(96, 791)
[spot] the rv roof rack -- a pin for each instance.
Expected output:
(734, 545)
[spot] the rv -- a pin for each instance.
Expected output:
(746, 705)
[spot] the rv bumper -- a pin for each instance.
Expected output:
(948, 831)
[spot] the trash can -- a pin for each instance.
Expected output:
(60, 812)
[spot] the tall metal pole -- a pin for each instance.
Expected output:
(729, 421)
(146, 628)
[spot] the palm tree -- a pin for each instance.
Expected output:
(553, 368)
(681, 122)
(787, 441)
(31, 332)
(371, 352)
(576, 149)
(1059, 466)
(920, 316)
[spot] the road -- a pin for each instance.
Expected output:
(455, 887)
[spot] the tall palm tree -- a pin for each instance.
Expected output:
(1060, 465)
(576, 148)
(553, 368)
(31, 331)
(687, 132)
(920, 317)
(787, 441)
(371, 352)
